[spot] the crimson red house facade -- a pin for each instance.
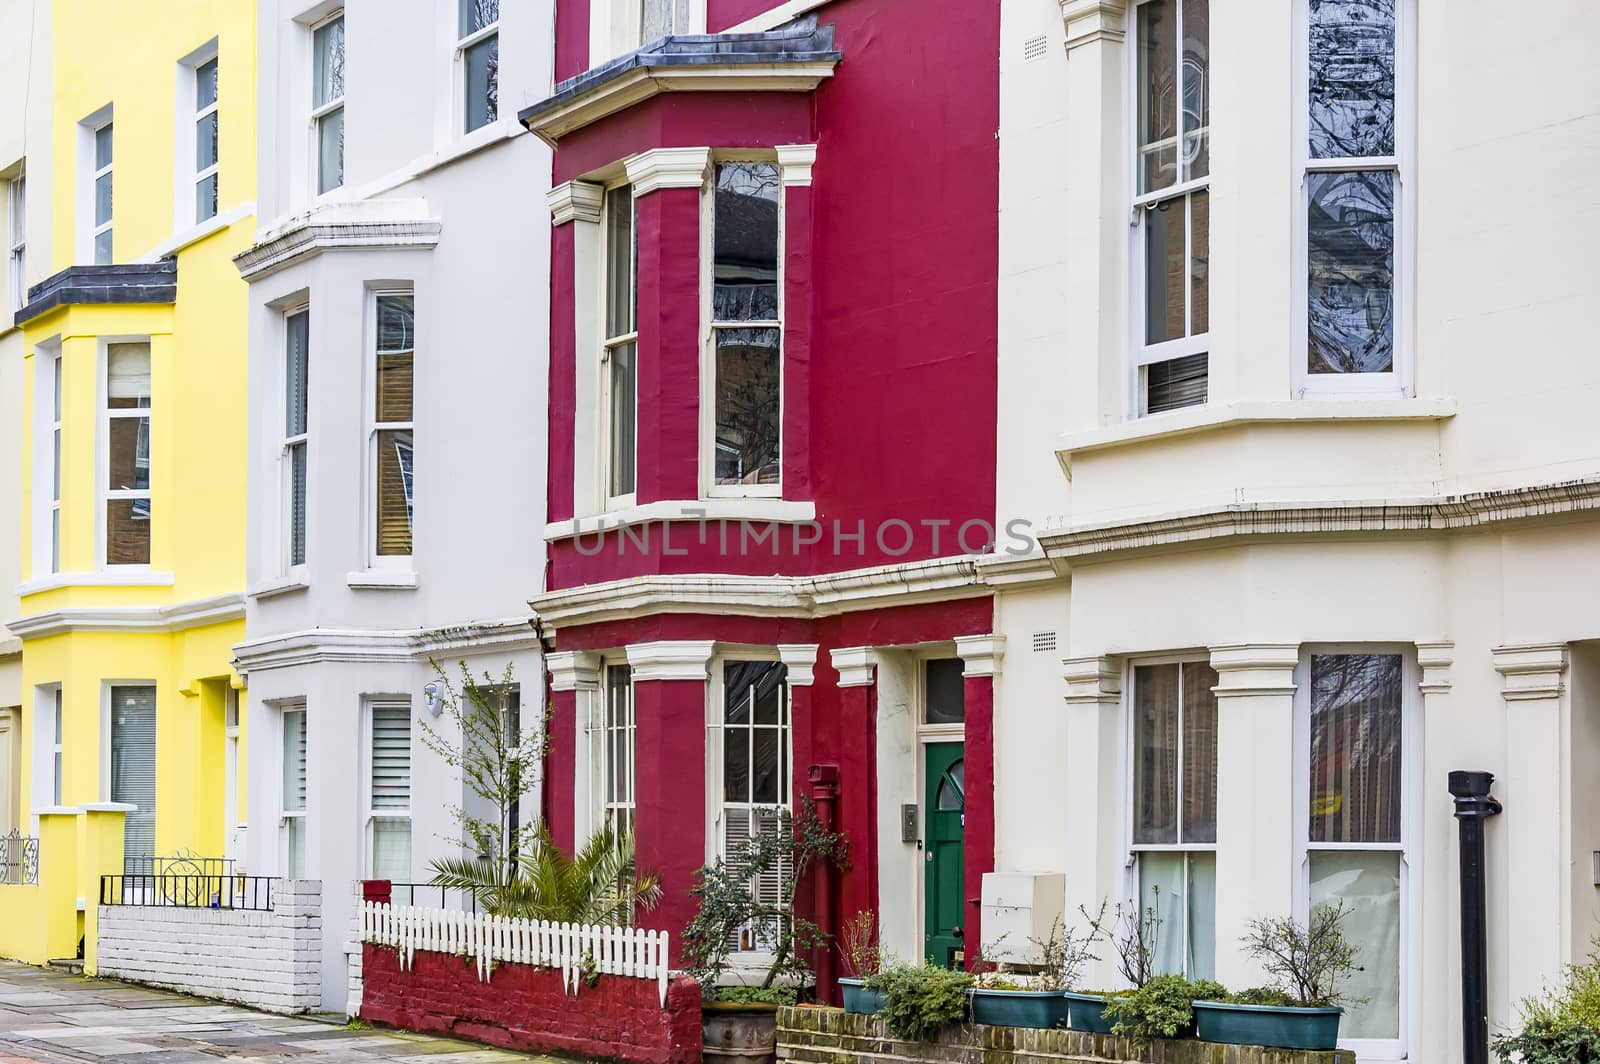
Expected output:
(772, 439)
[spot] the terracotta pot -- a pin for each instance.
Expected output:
(746, 1033)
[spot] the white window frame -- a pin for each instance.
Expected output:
(369, 814)
(53, 361)
(400, 562)
(1130, 788)
(1140, 355)
(1409, 847)
(463, 43)
(96, 172)
(319, 112)
(17, 239)
(58, 746)
(1399, 383)
(291, 442)
(610, 343)
(709, 327)
(616, 26)
(200, 114)
(612, 811)
(230, 749)
(285, 855)
(103, 493)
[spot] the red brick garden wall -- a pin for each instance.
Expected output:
(525, 1008)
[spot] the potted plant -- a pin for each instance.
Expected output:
(920, 999)
(739, 1010)
(1036, 1000)
(1302, 1010)
(1134, 934)
(862, 955)
(1162, 1008)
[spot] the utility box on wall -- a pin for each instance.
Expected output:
(1019, 910)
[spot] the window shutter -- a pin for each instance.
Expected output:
(1176, 383)
(391, 757)
(133, 765)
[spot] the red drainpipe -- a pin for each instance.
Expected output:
(825, 794)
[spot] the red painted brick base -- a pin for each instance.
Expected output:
(523, 1007)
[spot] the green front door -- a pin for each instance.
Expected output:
(944, 802)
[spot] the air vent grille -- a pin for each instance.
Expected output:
(1034, 47)
(1043, 642)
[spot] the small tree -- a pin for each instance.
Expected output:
(500, 763)
(1310, 960)
(859, 947)
(1134, 933)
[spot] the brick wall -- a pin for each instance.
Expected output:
(267, 960)
(525, 1008)
(830, 1036)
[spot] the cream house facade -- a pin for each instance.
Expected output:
(1293, 341)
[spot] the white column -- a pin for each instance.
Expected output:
(1538, 895)
(1255, 796)
(1438, 1028)
(578, 671)
(578, 203)
(1092, 786)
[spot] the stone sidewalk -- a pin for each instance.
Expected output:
(57, 1017)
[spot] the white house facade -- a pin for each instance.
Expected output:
(397, 403)
(1313, 526)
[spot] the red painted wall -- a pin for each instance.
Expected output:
(720, 14)
(670, 789)
(524, 1008)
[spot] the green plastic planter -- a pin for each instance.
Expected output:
(861, 1001)
(1087, 1012)
(1018, 1008)
(1281, 1027)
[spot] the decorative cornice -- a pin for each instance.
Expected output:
(1245, 669)
(1011, 570)
(806, 597)
(1444, 514)
(794, 164)
(120, 283)
(340, 227)
(314, 646)
(667, 168)
(1531, 671)
(1089, 21)
(573, 670)
(856, 666)
(801, 659)
(671, 660)
(1435, 659)
(175, 618)
(1092, 680)
(981, 654)
(575, 201)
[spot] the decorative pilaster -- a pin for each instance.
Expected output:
(1441, 917)
(684, 660)
(575, 201)
(980, 657)
(801, 661)
(856, 666)
(667, 168)
(794, 164)
(801, 658)
(1533, 686)
(1094, 22)
(1093, 787)
(1255, 795)
(574, 681)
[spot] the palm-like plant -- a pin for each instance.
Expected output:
(598, 885)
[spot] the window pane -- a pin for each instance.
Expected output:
(205, 198)
(476, 14)
(1199, 263)
(55, 541)
(482, 65)
(1369, 885)
(391, 849)
(128, 532)
(1176, 383)
(624, 382)
(128, 465)
(1161, 886)
(1196, 89)
(205, 141)
(205, 85)
(391, 757)
(394, 388)
(746, 265)
(945, 691)
(1352, 59)
(133, 765)
(394, 492)
(397, 323)
(127, 376)
(1350, 237)
(295, 831)
(1199, 753)
(102, 199)
(1158, 96)
(328, 42)
(748, 390)
(1355, 748)
(1165, 317)
(297, 367)
(102, 147)
(736, 765)
(330, 150)
(294, 760)
(1155, 754)
(55, 463)
(102, 248)
(764, 777)
(620, 266)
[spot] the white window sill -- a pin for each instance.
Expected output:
(55, 581)
(282, 585)
(1212, 417)
(382, 580)
(763, 511)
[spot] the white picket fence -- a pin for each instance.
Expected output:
(626, 952)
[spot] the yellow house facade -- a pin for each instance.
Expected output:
(133, 446)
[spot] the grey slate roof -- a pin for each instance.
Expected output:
(800, 42)
(131, 282)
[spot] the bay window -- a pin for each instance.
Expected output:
(293, 802)
(478, 47)
(297, 367)
(389, 776)
(327, 102)
(1351, 153)
(391, 429)
(1172, 205)
(126, 431)
(619, 375)
(754, 766)
(1174, 810)
(746, 329)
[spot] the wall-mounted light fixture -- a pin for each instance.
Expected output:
(433, 697)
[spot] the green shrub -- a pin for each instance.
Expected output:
(1262, 995)
(921, 998)
(752, 995)
(1160, 1008)
(1562, 1025)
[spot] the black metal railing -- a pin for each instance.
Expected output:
(19, 859)
(189, 891)
(428, 894)
(177, 865)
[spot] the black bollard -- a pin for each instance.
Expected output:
(1474, 805)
